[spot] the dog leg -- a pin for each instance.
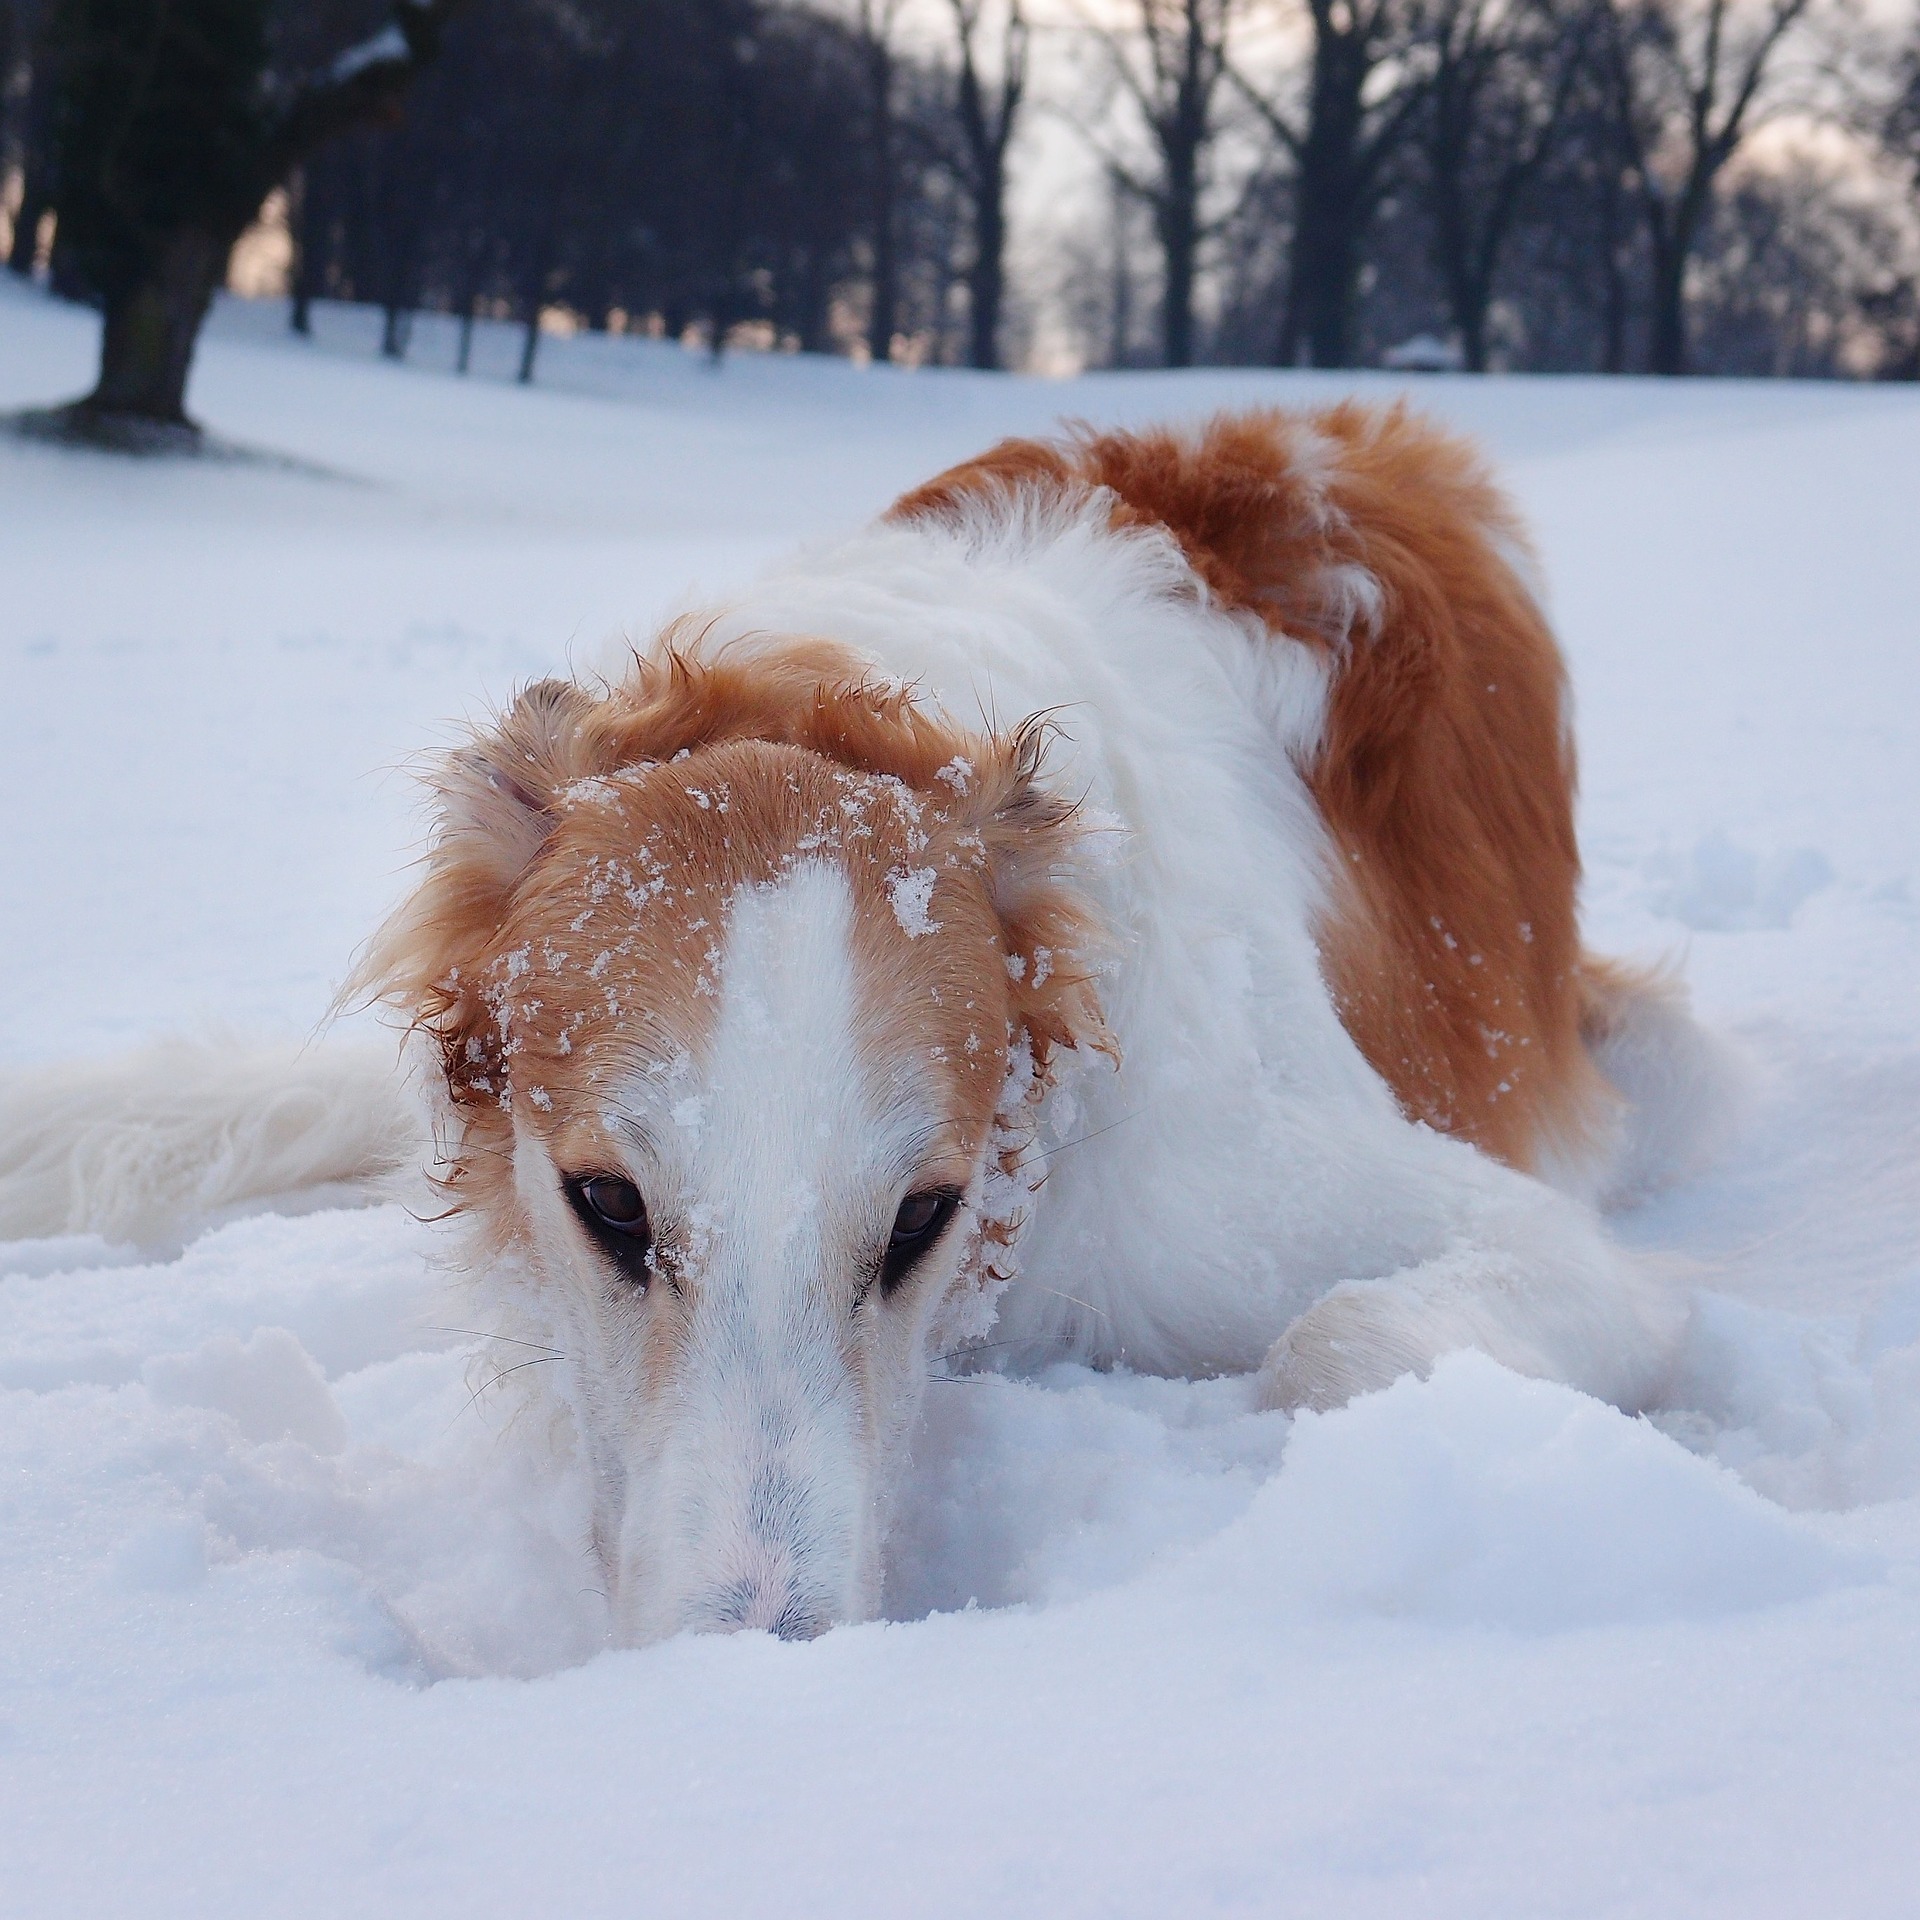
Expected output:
(1554, 1300)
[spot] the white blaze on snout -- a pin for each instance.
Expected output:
(757, 1509)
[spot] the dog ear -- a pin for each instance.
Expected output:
(494, 800)
(495, 795)
(1035, 844)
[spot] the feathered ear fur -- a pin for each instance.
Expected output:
(1033, 839)
(497, 796)
(494, 801)
(813, 693)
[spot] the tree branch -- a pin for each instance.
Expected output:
(364, 83)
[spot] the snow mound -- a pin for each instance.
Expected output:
(1817, 1411)
(1477, 1498)
(267, 1386)
(296, 1612)
(1719, 886)
(419, 1504)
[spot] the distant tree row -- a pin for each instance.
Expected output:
(1548, 184)
(710, 164)
(152, 132)
(1530, 183)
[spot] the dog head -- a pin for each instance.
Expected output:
(726, 968)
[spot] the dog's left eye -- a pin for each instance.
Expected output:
(611, 1209)
(920, 1221)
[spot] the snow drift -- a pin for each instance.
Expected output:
(294, 1612)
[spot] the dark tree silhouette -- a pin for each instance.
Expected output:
(1502, 78)
(1174, 79)
(172, 126)
(1352, 129)
(26, 123)
(987, 110)
(1687, 82)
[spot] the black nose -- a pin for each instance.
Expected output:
(771, 1607)
(799, 1622)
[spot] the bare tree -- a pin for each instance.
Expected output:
(1688, 76)
(1893, 305)
(27, 95)
(1172, 68)
(1801, 275)
(987, 109)
(1363, 91)
(170, 136)
(1902, 127)
(1503, 74)
(16, 79)
(877, 23)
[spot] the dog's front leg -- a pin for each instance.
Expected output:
(1551, 1298)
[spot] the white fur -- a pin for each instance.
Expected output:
(750, 1489)
(1683, 1088)
(1242, 1194)
(1246, 1164)
(149, 1147)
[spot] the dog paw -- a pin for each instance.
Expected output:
(1360, 1338)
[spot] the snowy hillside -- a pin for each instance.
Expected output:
(293, 1614)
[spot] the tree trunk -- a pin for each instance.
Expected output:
(986, 281)
(158, 293)
(1179, 242)
(1332, 210)
(1613, 269)
(464, 360)
(1122, 317)
(146, 349)
(36, 153)
(26, 223)
(1470, 320)
(883, 320)
(1667, 342)
(1467, 269)
(1324, 277)
(1667, 318)
(1674, 240)
(300, 224)
(988, 135)
(529, 344)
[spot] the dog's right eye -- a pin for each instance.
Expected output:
(612, 1211)
(920, 1221)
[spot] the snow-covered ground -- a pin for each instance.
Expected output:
(294, 1619)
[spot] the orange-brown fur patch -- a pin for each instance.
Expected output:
(1446, 773)
(619, 933)
(574, 900)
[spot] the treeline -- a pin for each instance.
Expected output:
(711, 164)
(1550, 184)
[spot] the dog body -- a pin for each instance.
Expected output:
(800, 1023)
(1231, 1157)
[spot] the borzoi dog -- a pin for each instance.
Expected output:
(1121, 906)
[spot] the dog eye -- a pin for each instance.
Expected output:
(920, 1221)
(616, 1203)
(612, 1211)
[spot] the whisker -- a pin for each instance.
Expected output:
(1021, 1280)
(1079, 1140)
(985, 1346)
(473, 1398)
(479, 1334)
(545, 1360)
